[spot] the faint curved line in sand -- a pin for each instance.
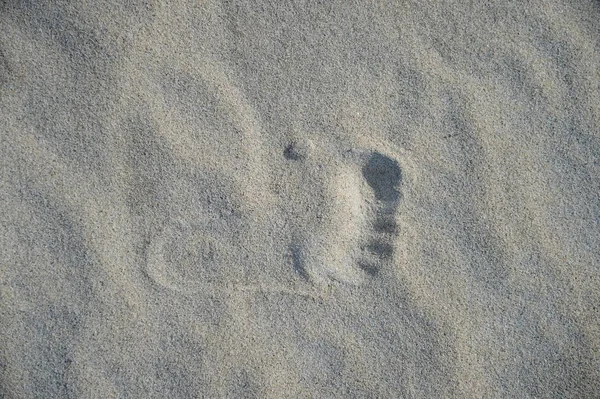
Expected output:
(157, 265)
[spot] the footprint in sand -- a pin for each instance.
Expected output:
(354, 244)
(357, 240)
(203, 248)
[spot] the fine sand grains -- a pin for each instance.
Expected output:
(386, 199)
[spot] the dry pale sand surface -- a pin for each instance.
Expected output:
(299, 199)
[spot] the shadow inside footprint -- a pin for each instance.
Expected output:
(381, 249)
(387, 226)
(384, 176)
(371, 269)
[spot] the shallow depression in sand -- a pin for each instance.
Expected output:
(185, 257)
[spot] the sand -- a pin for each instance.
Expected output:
(345, 199)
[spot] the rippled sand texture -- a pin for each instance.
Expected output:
(299, 199)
